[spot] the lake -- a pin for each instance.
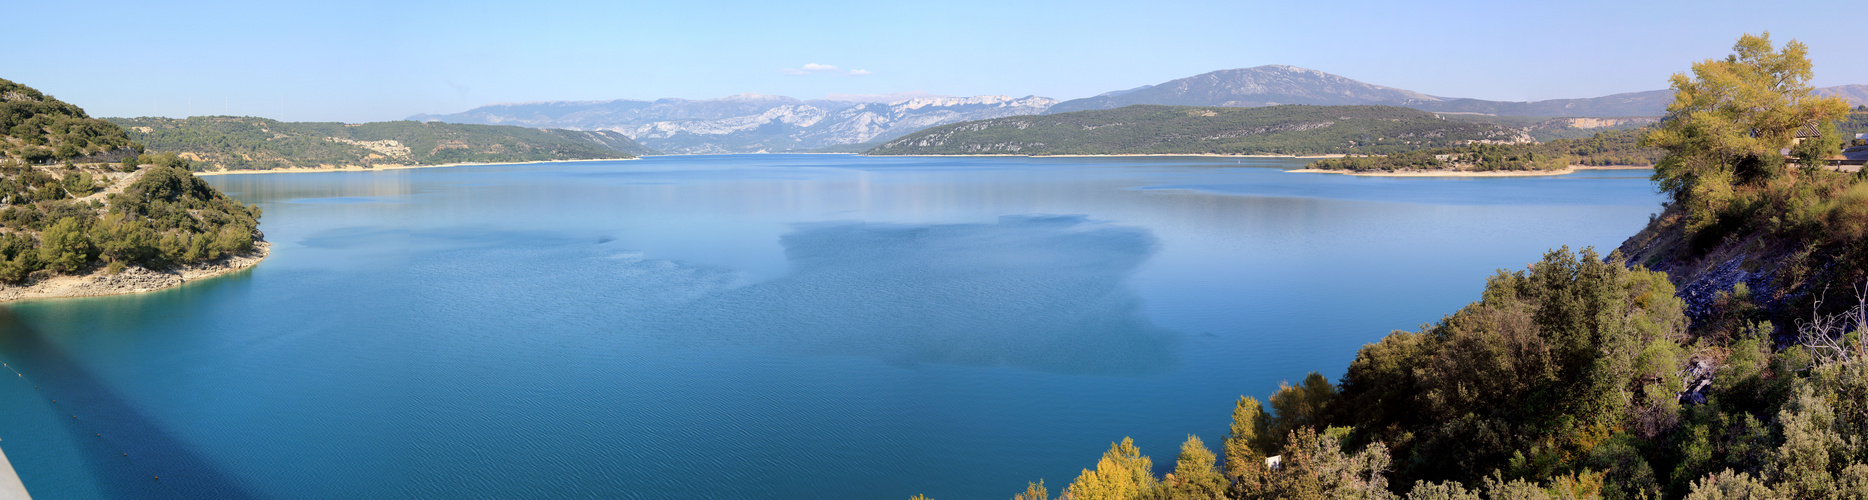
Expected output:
(758, 326)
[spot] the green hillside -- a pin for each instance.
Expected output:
(248, 143)
(1615, 147)
(65, 211)
(36, 128)
(1147, 129)
(1857, 123)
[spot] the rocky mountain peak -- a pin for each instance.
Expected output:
(758, 122)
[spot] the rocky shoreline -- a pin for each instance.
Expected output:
(1469, 173)
(133, 279)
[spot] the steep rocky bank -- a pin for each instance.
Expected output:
(1778, 274)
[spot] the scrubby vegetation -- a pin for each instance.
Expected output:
(35, 128)
(144, 209)
(1616, 147)
(1591, 377)
(1148, 129)
(1576, 378)
(248, 143)
(163, 217)
(1736, 199)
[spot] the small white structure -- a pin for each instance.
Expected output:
(1274, 462)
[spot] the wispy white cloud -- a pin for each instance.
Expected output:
(859, 72)
(808, 69)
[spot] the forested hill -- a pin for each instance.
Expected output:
(1608, 148)
(64, 211)
(1149, 129)
(36, 128)
(248, 143)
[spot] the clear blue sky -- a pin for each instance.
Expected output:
(365, 61)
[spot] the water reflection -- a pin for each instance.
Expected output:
(1038, 292)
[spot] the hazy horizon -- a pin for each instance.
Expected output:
(357, 62)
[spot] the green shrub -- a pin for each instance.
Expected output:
(64, 247)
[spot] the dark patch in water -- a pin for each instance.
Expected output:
(1038, 292)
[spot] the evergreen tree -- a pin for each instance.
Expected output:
(1246, 440)
(1122, 474)
(1195, 477)
(1034, 491)
(1301, 406)
(64, 246)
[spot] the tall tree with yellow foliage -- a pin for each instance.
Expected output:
(1731, 122)
(1122, 474)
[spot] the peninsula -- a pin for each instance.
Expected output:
(85, 211)
(1615, 149)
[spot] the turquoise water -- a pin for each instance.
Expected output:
(759, 326)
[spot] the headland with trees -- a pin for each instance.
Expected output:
(74, 224)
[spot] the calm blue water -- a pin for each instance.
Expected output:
(760, 326)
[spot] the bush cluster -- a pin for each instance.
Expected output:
(166, 217)
(1616, 147)
(35, 128)
(1564, 380)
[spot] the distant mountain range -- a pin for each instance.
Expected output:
(766, 123)
(751, 122)
(1856, 95)
(1251, 87)
(1274, 85)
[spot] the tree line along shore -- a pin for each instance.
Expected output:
(249, 144)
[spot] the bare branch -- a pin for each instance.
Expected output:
(1826, 336)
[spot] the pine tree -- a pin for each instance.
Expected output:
(1195, 476)
(1122, 474)
(1244, 443)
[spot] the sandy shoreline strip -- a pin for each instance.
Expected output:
(380, 168)
(134, 279)
(1467, 173)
